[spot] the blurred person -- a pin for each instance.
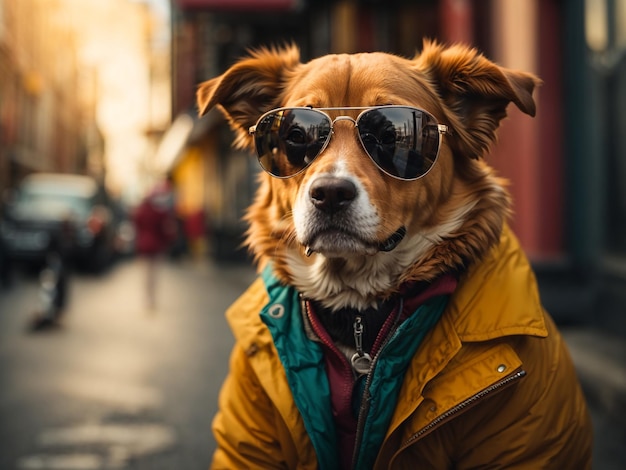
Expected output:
(5, 268)
(53, 290)
(155, 227)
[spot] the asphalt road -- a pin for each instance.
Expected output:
(117, 385)
(121, 386)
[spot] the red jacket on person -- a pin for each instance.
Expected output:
(155, 227)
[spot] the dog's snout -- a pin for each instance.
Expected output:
(332, 194)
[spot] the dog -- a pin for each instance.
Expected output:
(395, 322)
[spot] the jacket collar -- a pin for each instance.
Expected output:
(498, 297)
(495, 298)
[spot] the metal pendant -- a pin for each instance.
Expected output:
(361, 363)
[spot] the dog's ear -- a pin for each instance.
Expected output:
(249, 88)
(476, 90)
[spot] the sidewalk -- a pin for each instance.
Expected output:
(600, 361)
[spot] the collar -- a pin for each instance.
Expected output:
(377, 322)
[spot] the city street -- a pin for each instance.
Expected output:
(119, 386)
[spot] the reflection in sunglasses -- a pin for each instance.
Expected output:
(402, 141)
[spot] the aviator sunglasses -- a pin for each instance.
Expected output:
(402, 141)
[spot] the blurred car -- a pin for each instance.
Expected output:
(69, 214)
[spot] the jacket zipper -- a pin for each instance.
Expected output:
(361, 361)
(363, 410)
(365, 399)
(466, 404)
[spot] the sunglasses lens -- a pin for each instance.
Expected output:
(288, 140)
(403, 142)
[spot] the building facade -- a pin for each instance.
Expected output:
(567, 167)
(46, 121)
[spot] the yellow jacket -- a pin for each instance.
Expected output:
(491, 386)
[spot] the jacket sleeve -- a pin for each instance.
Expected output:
(542, 422)
(249, 431)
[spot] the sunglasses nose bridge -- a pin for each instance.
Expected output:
(344, 118)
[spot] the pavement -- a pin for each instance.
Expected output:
(598, 356)
(590, 310)
(600, 360)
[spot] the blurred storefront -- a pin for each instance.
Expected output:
(595, 148)
(567, 166)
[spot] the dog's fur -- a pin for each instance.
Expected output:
(452, 216)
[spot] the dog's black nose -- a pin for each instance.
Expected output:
(331, 194)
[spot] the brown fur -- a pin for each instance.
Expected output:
(460, 87)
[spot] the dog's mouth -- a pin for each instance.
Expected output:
(336, 243)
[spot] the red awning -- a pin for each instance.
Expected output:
(238, 4)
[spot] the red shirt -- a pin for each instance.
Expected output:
(155, 228)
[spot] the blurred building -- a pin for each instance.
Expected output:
(84, 88)
(47, 114)
(567, 166)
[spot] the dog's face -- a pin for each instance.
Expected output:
(343, 230)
